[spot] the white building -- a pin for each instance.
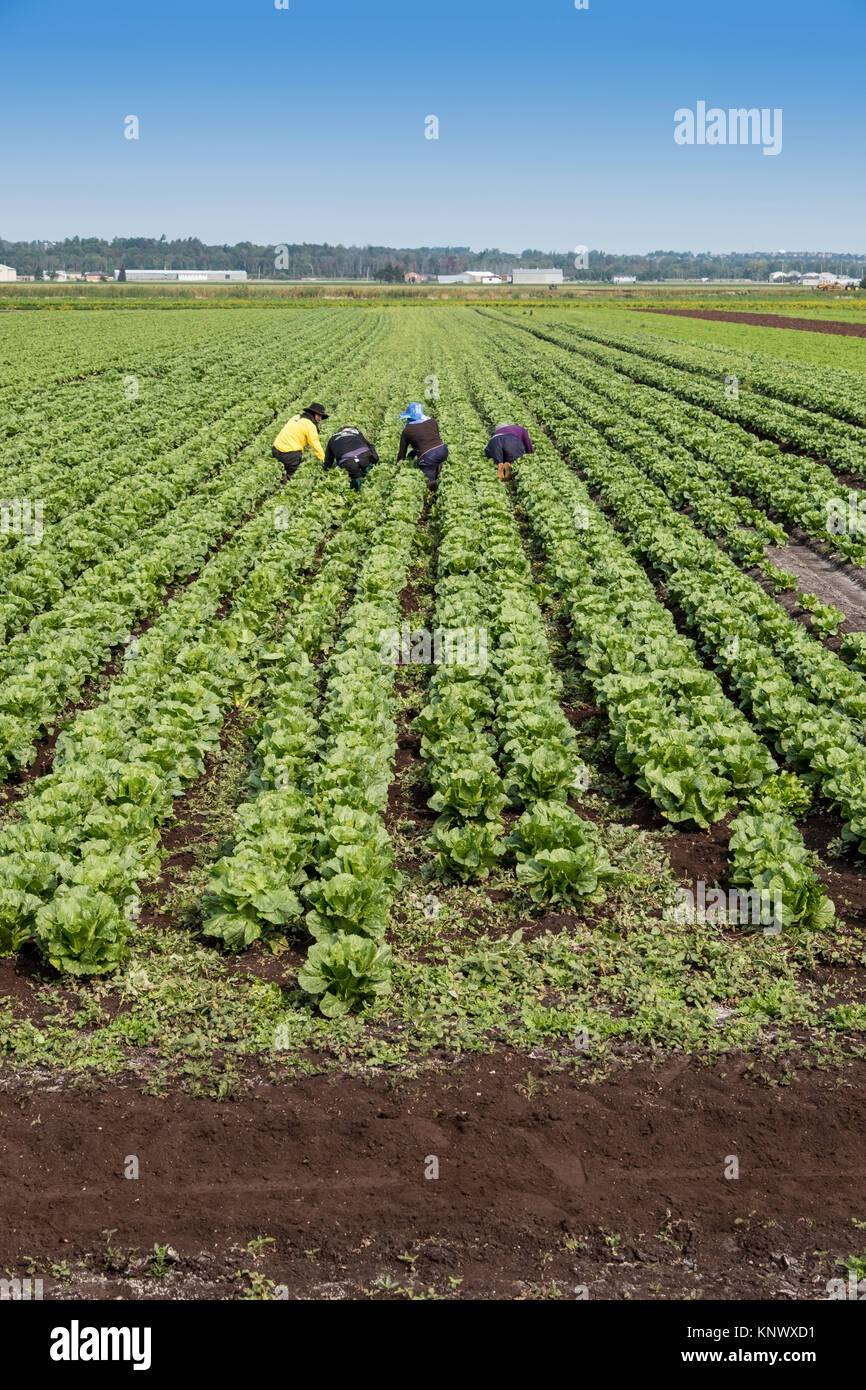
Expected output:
(537, 277)
(625, 279)
(8, 273)
(786, 277)
(184, 276)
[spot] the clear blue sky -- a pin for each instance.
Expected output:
(556, 125)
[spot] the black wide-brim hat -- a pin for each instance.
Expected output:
(316, 409)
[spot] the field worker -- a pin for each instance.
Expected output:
(296, 434)
(422, 441)
(349, 449)
(509, 442)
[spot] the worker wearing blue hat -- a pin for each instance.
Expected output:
(422, 442)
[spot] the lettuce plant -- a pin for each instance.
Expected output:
(466, 849)
(17, 916)
(82, 931)
(345, 973)
(560, 857)
(768, 854)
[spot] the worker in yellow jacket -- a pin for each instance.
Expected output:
(296, 434)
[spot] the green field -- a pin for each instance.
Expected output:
(422, 854)
(752, 298)
(509, 833)
(785, 345)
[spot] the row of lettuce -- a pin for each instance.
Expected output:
(805, 701)
(311, 847)
(797, 691)
(705, 462)
(792, 426)
(41, 352)
(494, 736)
(832, 391)
(45, 667)
(686, 744)
(87, 835)
(312, 850)
(118, 495)
(292, 615)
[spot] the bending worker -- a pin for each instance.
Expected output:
(422, 441)
(349, 449)
(296, 434)
(509, 442)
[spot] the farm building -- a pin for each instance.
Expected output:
(537, 277)
(625, 279)
(184, 276)
(471, 277)
(8, 273)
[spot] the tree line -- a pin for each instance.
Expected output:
(295, 261)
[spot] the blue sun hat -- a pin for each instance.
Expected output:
(414, 413)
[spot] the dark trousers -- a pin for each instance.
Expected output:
(505, 448)
(431, 462)
(356, 466)
(291, 462)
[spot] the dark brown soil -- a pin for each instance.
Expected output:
(843, 878)
(544, 1182)
(832, 581)
(849, 330)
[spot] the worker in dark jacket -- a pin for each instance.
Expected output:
(509, 442)
(349, 449)
(422, 442)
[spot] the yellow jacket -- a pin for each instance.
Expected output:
(296, 434)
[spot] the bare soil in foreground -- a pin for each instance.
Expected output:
(849, 330)
(546, 1185)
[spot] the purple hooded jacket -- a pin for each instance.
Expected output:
(521, 435)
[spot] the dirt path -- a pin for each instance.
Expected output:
(618, 1185)
(832, 582)
(849, 330)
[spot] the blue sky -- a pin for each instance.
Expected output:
(555, 125)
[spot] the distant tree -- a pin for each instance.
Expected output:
(78, 254)
(39, 273)
(122, 275)
(391, 274)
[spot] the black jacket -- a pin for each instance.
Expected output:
(350, 441)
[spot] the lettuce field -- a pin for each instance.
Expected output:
(497, 829)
